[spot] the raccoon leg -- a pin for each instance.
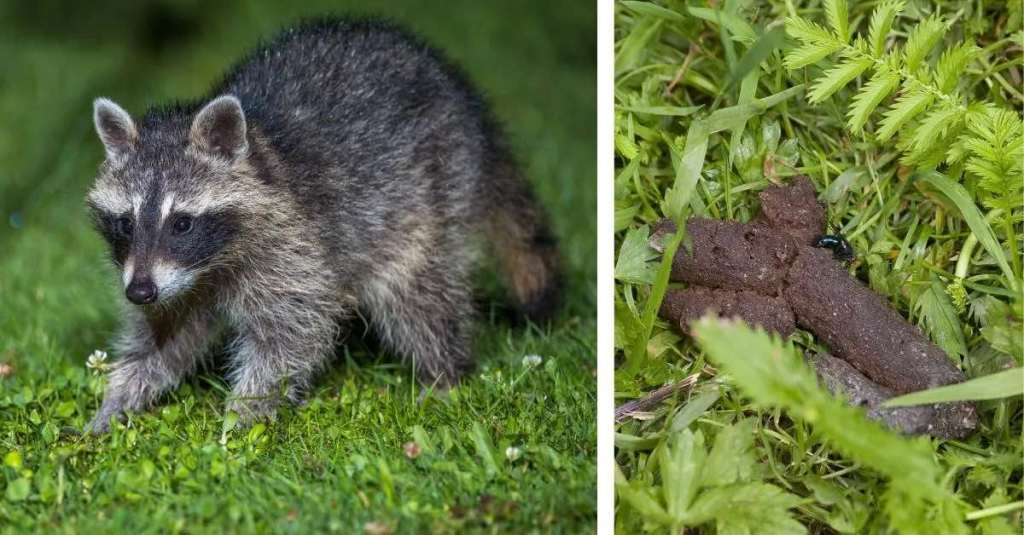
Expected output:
(523, 242)
(150, 364)
(280, 347)
(425, 316)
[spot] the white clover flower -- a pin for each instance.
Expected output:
(97, 361)
(513, 453)
(531, 361)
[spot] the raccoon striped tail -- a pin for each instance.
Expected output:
(526, 249)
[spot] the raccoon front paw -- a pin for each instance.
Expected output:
(253, 410)
(100, 423)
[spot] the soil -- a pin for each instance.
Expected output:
(767, 273)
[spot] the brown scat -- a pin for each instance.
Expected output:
(840, 378)
(944, 420)
(683, 307)
(861, 327)
(732, 255)
(793, 209)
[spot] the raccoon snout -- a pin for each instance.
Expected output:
(141, 291)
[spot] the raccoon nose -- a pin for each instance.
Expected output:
(141, 291)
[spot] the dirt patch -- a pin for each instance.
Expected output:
(767, 273)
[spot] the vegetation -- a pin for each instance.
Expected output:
(513, 449)
(906, 116)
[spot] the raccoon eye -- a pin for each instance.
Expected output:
(124, 226)
(183, 224)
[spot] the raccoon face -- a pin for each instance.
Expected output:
(163, 200)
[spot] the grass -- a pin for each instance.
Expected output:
(707, 116)
(512, 449)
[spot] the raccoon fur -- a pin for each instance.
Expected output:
(341, 169)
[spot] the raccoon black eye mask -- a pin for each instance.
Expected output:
(342, 167)
(776, 272)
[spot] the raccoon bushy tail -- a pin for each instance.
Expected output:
(524, 244)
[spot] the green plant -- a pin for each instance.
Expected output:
(938, 119)
(929, 240)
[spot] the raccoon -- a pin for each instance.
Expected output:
(343, 169)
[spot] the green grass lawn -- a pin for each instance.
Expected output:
(512, 449)
(751, 444)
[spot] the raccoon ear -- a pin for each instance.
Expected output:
(219, 128)
(114, 126)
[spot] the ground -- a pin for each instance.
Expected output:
(511, 449)
(707, 116)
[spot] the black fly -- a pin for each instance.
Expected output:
(841, 249)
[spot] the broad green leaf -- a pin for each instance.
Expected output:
(748, 508)
(640, 499)
(1004, 384)
(485, 449)
(635, 256)
(681, 463)
(629, 330)
(941, 321)
(693, 409)
(731, 460)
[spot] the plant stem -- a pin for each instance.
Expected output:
(993, 511)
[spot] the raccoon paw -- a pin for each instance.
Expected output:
(100, 423)
(252, 410)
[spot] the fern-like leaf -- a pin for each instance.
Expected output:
(881, 23)
(806, 31)
(921, 41)
(952, 64)
(838, 18)
(907, 106)
(939, 122)
(837, 77)
(870, 96)
(995, 141)
(817, 43)
(810, 54)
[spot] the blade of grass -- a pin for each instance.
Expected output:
(998, 385)
(956, 193)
